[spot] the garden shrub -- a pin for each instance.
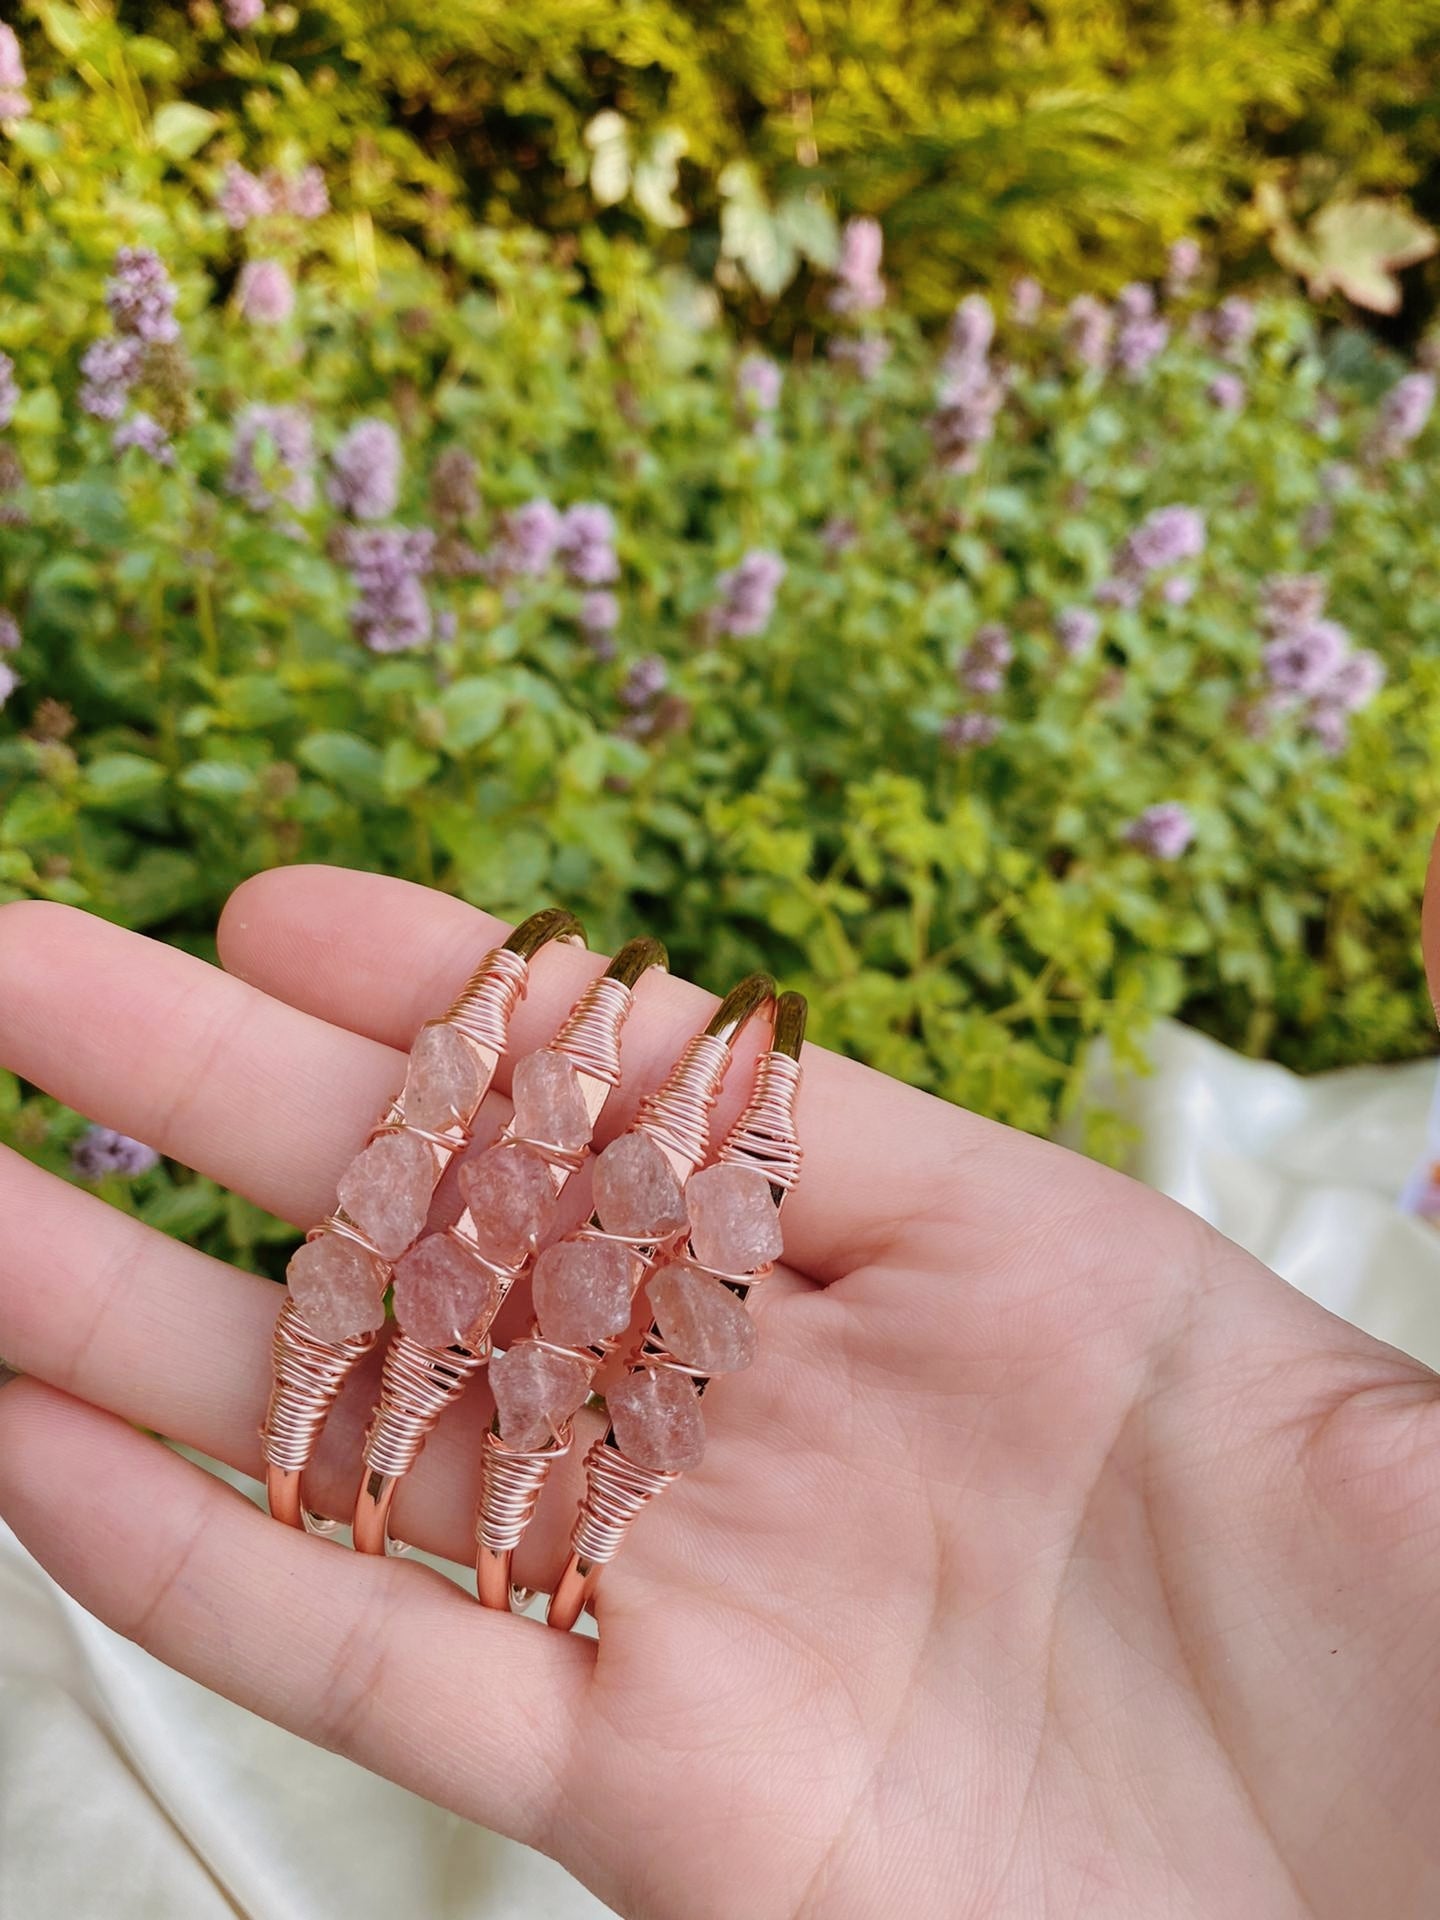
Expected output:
(1000, 694)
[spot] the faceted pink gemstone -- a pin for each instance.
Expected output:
(583, 1289)
(338, 1287)
(535, 1390)
(734, 1226)
(386, 1190)
(511, 1197)
(442, 1292)
(657, 1420)
(443, 1083)
(637, 1192)
(700, 1320)
(549, 1105)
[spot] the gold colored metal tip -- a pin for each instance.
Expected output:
(791, 1012)
(755, 991)
(637, 957)
(551, 923)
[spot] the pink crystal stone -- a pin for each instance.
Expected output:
(657, 1420)
(535, 1390)
(637, 1192)
(549, 1105)
(443, 1083)
(583, 1288)
(338, 1287)
(511, 1197)
(442, 1292)
(700, 1320)
(386, 1190)
(734, 1226)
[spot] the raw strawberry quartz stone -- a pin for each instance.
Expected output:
(536, 1391)
(443, 1084)
(637, 1192)
(386, 1190)
(700, 1320)
(338, 1287)
(511, 1197)
(443, 1294)
(734, 1224)
(583, 1288)
(657, 1420)
(549, 1104)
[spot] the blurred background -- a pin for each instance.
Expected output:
(938, 501)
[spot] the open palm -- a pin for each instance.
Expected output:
(1053, 1557)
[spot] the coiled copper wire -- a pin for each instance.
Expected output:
(416, 1387)
(419, 1382)
(510, 1491)
(485, 1004)
(308, 1371)
(677, 1117)
(617, 1489)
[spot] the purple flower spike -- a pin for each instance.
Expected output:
(1077, 629)
(365, 471)
(101, 1151)
(141, 297)
(858, 286)
(1163, 831)
(265, 293)
(747, 595)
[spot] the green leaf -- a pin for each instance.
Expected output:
(217, 780)
(34, 138)
(404, 767)
(180, 129)
(120, 779)
(472, 710)
(345, 760)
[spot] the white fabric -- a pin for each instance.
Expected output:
(130, 1793)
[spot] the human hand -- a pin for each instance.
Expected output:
(1053, 1557)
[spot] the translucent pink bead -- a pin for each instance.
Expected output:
(535, 1390)
(583, 1289)
(734, 1226)
(637, 1191)
(511, 1196)
(338, 1287)
(657, 1420)
(442, 1292)
(442, 1084)
(549, 1104)
(700, 1320)
(386, 1190)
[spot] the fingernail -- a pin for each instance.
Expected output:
(7, 1374)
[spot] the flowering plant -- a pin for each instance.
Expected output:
(1001, 692)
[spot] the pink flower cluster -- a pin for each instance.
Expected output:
(1163, 831)
(14, 100)
(1164, 539)
(246, 196)
(141, 297)
(747, 595)
(971, 390)
(1309, 662)
(1127, 338)
(858, 286)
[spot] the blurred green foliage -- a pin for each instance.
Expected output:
(195, 704)
(1072, 139)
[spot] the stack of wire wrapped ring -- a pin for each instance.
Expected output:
(675, 1231)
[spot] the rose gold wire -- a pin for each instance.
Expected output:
(766, 1137)
(677, 1117)
(308, 1372)
(418, 1382)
